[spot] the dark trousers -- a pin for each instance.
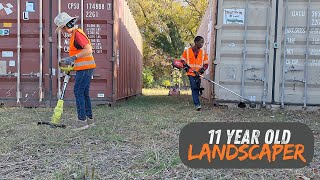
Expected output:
(195, 87)
(81, 92)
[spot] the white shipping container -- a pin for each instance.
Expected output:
(266, 50)
(297, 66)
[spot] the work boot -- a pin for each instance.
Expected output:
(198, 108)
(91, 121)
(80, 125)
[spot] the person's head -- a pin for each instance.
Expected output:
(198, 42)
(65, 22)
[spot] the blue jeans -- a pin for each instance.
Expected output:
(81, 92)
(195, 87)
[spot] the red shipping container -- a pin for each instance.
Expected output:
(30, 51)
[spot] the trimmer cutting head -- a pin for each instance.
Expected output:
(243, 105)
(51, 124)
(252, 105)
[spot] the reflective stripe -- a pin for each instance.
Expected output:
(202, 54)
(84, 63)
(182, 58)
(195, 65)
(188, 59)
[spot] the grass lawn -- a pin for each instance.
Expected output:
(135, 139)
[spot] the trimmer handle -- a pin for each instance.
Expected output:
(67, 69)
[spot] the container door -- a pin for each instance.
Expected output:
(95, 18)
(297, 69)
(21, 47)
(244, 49)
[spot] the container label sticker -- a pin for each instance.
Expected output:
(12, 63)
(233, 16)
(3, 67)
(7, 8)
(109, 6)
(4, 32)
(30, 7)
(25, 16)
(7, 53)
(7, 25)
(101, 95)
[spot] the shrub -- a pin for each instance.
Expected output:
(147, 78)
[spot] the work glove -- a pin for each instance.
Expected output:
(201, 71)
(186, 67)
(196, 73)
(67, 61)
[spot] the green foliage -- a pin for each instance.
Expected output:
(147, 78)
(166, 83)
(167, 26)
(176, 76)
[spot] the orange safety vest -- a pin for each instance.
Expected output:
(194, 63)
(84, 62)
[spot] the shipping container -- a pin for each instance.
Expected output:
(266, 50)
(297, 79)
(30, 51)
(244, 50)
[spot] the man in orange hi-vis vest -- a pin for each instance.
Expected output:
(197, 59)
(80, 56)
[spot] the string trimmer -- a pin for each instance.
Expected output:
(56, 117)
(182, 64)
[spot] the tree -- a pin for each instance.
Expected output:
(167, 26)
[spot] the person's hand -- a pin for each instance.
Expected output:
(62, 63)
(68, 60)
(186, 67)
(196, 73)
(201, 71)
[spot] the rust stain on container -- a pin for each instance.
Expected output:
(29, 74)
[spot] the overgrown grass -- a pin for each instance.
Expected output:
(136, 139)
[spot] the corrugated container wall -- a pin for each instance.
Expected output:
(30, 51)
(244, 52)
(267, 51)
(297, 64)
(129, 53)
(207, 31)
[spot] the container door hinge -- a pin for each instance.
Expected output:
(218, 27)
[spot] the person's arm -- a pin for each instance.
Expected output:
(205, 61)
(205, 64)
(86, 51)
